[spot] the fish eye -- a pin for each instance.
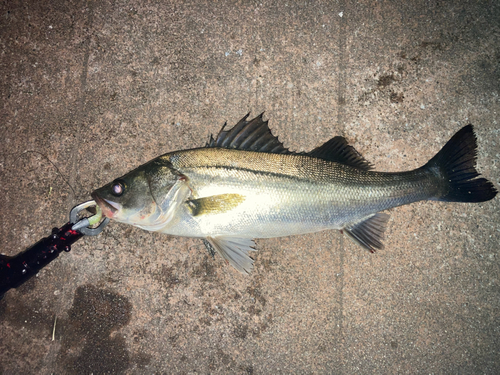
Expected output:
(118, 188)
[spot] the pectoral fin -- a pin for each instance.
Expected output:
(369, 232)
(234, 250)
(215, 204)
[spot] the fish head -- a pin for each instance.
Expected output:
(141, 197)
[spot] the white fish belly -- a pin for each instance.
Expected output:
(264, 213)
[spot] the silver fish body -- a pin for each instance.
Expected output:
(286, 194)
(244, 185)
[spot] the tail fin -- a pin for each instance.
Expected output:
(456, 164)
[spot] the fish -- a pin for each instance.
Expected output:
(244, 185)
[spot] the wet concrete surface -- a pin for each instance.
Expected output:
(90, 90)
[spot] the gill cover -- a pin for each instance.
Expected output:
(169, 189)
(146, 197)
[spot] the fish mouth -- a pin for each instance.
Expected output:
(109, 209)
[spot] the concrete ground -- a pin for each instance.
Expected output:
(90, 90)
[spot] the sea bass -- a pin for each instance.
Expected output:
(244, 184)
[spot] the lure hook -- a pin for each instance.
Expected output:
(84, 225)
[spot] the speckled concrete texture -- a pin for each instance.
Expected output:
(90, 90)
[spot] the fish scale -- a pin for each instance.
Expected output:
(245, 184)
(337, 190)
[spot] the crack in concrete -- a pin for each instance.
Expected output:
(81, 117)
(341, 125)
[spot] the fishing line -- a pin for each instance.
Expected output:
(46, 158)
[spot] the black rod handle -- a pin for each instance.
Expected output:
(18, 269)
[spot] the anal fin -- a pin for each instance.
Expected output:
(234, 250)
(369, 232)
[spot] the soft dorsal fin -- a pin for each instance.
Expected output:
(337, 150)
(253, 135)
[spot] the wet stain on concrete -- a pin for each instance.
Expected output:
(397, 97)
(29, 315)
(91, 343)
(385, 80)
(206, 271)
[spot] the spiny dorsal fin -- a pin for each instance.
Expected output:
(337, 150)
(253, 135)
(369, 233)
